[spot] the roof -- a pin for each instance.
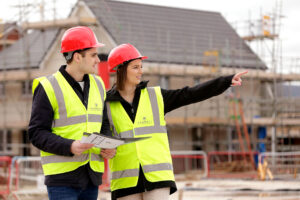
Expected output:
(174, 35)
(37, 43)
(164, 34)
(4, 27)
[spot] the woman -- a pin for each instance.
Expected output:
(143, 170)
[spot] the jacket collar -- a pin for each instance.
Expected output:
(114, 95)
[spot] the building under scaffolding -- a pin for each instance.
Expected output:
(185, 47)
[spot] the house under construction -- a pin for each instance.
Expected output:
(185, 47)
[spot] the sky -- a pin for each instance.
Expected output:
(237, 12)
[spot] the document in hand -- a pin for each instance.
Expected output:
(107, 142)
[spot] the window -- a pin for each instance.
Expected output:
(26, 87)
(164, 82)
(5, 141)
(2, 89)
(197, 138)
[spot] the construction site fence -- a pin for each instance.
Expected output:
(27, 179)
(23, 176)
(229, 164)
(5, 174)
(192, 162)
(282, 165)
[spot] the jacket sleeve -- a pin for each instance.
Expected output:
(39, 129)
(105, 128)
(174, 99)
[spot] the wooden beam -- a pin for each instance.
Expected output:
(259, 37)
(14, 125)
(61, 23)
(187, 70)
(181, 121)
(175, 70)
(226, 121)
(20, 75)
(7, 42)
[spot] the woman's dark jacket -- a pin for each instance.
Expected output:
(173, 99)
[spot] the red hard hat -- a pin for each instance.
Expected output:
(79, 37)
(121, 54)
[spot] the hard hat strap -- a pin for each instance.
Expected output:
(69, 55)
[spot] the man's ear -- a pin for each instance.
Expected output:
(77, 57)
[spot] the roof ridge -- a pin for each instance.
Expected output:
(162, 6)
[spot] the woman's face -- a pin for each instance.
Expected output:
(134, 72)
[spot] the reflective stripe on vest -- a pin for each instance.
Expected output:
(75, 158)
(63, 119)
(157, 128)
(146, 169)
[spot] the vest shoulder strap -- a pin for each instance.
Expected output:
(36, 82)
(44, 81)
(100, 85)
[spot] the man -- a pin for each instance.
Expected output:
(65, 105)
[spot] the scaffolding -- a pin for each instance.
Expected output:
(13, 130)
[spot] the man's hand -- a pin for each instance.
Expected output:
(108, 153)
(236, 80)
(77, 148)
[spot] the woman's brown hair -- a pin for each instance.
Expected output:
(121, 75)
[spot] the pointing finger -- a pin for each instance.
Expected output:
(241, 74)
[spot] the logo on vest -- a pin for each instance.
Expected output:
(96, 107)
(145, 121)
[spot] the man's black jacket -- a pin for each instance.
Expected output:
(41, 136)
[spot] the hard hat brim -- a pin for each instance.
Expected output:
(114, 69)
(94, 46)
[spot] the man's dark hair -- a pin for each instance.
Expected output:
(69, 55)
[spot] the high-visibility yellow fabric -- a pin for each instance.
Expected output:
(78, 120)
(153, 154)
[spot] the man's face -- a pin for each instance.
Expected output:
(89, 62)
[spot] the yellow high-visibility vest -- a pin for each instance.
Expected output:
(153, 154)
(71, 120)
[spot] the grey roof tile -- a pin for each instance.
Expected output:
(28, 51)
(174, 35)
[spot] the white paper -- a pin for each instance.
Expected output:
(102, 141)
